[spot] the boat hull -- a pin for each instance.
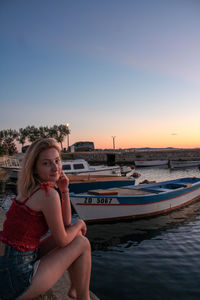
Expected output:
(87, 184)
(81, 167)
(184, 164)
(12, 172)
(109, 171)
(150, 163)
(93, 208)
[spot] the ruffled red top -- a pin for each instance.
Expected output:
(24, 227)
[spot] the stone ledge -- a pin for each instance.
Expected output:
(60, 290)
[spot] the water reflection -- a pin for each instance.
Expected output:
(155, 258)
(104, 236)
(161, 173)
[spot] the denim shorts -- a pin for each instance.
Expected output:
(16, 272)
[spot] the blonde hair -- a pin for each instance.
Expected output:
(28, 180)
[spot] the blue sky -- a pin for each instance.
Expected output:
(129, 69)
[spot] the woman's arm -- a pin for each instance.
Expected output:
(63, 184)
(66, 208)
(51, 208)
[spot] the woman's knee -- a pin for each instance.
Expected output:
(84, 242)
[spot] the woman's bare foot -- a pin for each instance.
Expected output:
(72, 293)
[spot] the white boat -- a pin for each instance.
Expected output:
(127, 171)
(150, 163)
(70, 167)
(131, 202)
(184, 163)
(81, 167)
(12, 167)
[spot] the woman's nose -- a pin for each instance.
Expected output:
(54, 166)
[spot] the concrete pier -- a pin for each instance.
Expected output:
(125, 156)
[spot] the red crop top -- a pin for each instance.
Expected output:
(24, 227)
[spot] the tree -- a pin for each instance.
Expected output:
(23, 133)
(1, 136)
(58, 132)
(33, 133)
(3, 149)
(44, 131)
(7, 144)
(30, 133)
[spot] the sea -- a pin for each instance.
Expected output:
(155, 258)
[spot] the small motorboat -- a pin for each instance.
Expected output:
(81, 167)
(175, 164)
(151, 163)
(136, 201)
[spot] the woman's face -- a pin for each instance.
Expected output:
(48, 166)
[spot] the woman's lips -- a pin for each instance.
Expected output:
(54, 175)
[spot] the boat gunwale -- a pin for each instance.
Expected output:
(185, 190)
(124, 204)
(140, 216)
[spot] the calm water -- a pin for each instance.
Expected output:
(155, 258)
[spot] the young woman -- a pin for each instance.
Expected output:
(29, 264)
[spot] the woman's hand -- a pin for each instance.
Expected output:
(63, 182)
(83, 226)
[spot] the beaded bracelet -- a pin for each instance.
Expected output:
(65, 192)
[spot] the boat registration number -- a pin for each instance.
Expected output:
(102, 200)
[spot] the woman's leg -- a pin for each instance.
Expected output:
(46, 245)
(86, 271)
(54, 264)
(73, 270)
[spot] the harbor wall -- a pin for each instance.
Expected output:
(123, 156)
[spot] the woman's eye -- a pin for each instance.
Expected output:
(45, 163)
(57, 161)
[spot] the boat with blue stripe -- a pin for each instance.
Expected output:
(83, 183)
(135, 201)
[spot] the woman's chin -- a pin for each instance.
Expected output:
(53, 178)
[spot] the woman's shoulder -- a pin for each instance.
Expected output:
(43, 197)
(43, 191)
(47, 191)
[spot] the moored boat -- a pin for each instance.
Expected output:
(81, 167)
(70, 167)
(184, 163)
(84, 183)
(130, 202)
(127, 171)
(12, 166)
(150, 163)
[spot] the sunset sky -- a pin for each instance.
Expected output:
(123, 68)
